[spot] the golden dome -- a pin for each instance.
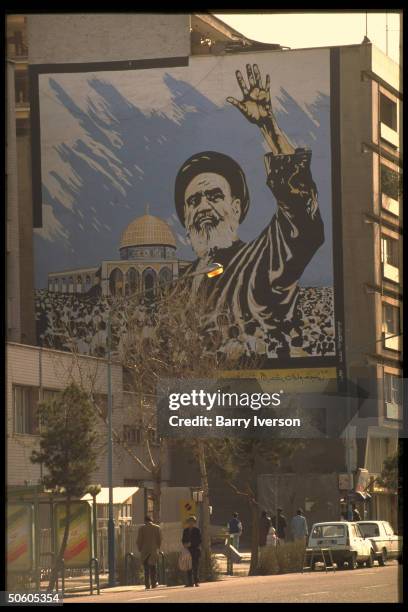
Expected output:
(147, 230)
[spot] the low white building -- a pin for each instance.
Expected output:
(35, 374)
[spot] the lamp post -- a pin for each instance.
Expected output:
(94, 490)
(212, 271)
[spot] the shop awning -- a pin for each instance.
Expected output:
(120, 495)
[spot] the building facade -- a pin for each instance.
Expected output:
(35, 374)
(369, 159)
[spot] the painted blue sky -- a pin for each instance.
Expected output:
(113, 142)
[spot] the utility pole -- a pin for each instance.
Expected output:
(111, 524)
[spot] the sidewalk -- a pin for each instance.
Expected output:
(135, 588)
(79, 585)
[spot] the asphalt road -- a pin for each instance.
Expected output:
(372, 585)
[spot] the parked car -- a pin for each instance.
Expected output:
(345, 541)
(386, 544)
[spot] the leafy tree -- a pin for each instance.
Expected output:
(67, 451)
(390, 477)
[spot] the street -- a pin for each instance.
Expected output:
(375, 585)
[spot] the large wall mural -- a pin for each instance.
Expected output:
(151, 175)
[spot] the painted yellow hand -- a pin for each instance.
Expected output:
(256, 102)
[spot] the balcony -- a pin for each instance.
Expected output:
(389, 135)
(392, 342)
(393, 411)
(390, 272)
(390, 205)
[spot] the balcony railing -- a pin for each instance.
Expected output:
(17, 51)
(390, 135)
(389, 204)
(390, 272)
(392, 341)
(393, 411)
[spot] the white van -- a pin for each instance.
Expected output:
(345, 541)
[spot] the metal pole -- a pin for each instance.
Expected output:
(95, 529)
(348, 456)
(111, 524)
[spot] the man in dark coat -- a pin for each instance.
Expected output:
(192, 540)
(149, 539)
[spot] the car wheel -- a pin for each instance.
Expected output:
(370, 560)
(382, 560)
(352, 562)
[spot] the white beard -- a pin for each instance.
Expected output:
(210, 237)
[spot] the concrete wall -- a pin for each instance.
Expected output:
(13, 238)
(25, 213)
(359, 251)
(59, 38)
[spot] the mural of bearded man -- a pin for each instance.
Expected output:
(259, 287)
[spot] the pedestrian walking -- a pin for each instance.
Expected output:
(235, 529)
(280, 524)
(192, 540)
(272, 539)
(299, 526)
(149, 539)
(264, 526)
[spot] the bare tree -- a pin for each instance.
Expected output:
(176, 337)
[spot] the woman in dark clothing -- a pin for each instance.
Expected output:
(192, 540)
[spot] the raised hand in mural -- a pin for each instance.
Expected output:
(257, 108)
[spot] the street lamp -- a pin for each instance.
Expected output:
(94, 490)
(212, 271)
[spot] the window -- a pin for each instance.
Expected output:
(392, 389)
(388, 112)
(391, 320)
(131, 434)
(389, 251)
(21, 87)
(328, 531)
(388, 529)
(25, 410)
(390, 182)
(126, 510)
(369, 530)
